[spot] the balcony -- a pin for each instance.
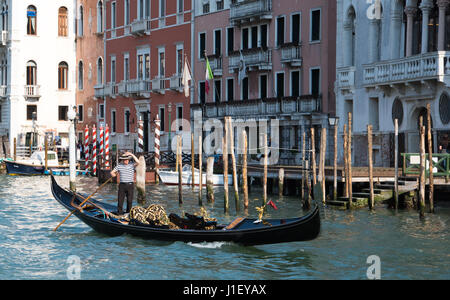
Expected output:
(140, 27)
(32, 92)
(3, 91)
(176, 83)
(287, 106)
(215, 62)
(346, 78)
(4, 37)
(159, 85)
(255, 59)
(250, 11)
(99, 91)
(422, 68)
(291, 54)
(139, 87)
(111, 90)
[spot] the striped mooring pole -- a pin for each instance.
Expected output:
(86, 149)
(101, 144)
(157, 144)
(141, 136)
(107, 147)
(94, 150)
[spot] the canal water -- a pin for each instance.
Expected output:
(407, 247)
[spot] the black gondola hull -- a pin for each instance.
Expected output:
(15, 168)
(282, 231)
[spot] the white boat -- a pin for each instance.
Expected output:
(170, 177)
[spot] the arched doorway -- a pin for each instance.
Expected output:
(414, 135)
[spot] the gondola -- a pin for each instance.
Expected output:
(245, 232)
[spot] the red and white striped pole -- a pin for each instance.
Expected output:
(86, 148)
(94, 150)
(141, 136)
(107, 147)
(157, 143)
(101, 143)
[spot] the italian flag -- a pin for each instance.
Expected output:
(208, 76)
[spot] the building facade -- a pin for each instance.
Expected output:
(270, 60)
(37, 56)
(146, 43)
(393, 60)
(90, 57)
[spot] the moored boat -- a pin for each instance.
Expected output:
(243, 231)
(35, 165)
(170, 177)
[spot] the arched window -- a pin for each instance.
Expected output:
(62, 21)
(100, 71)
(81, 22)
(80, 75)
(350, 37)
(5, 17)
(63, 75)
(31, 20)
(31, 73)
(99, 16)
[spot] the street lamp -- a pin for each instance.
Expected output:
(334, 122)
(72, 115)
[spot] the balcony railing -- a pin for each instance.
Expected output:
(32, 91)
(262, 107)
(140, 27)
(429, 66)
(346, 78)
(216, 64)
(291, 54)
(176, 83)
(250, 11)
(256, 58)
(111, 90)
(99, 91)
(159, 85)
(139, 86)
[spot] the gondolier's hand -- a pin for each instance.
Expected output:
(136, 160)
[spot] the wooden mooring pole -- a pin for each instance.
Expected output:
(323, 149)
(244, 169)
(349, 160)
(233, 161)
(335, 161)
(430, 159)
(225, 171)
(396, 164)
(200, 167)
(370, 156)
(209, 179)
(180, 169)
(280, 182)
(303, 165)
(345, 161)
(266, 159)
(422, 170)
(313, 156)
(192, 161)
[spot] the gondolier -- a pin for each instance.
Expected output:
(126, 170)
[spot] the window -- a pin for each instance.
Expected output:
(31, 20)
(202, 45)
(280, 31)
(126, 12)
(280, 85)
(254, 36)
(113, 15)
(315, 81)
(99, 70)
(31, 73)
(126, 67)
(263, 86)
(315, 33)
(202, 93)
(180, 118)
(0, 113)
(101, 111)
(63, 74)
(218, 42)
(245, 40)
(295, 83)
(62, 21)
(113, 121)
(264, 31)
(162, 116)
(180, 59)
(245, 91)
(162, 8)
(80, 112)
(80, 22)
(219, 4)
(80, 75)
(180, 6)
(113, 69)
(162, 63)
(230, 39)
(230, 89)
(206, 8)
(217, 91)
(99, 16)
(31, 110)
(127, 120)
(296, 29)
(62, 112)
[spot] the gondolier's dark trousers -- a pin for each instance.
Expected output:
(125, 189)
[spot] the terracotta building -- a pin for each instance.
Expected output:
(146, 43)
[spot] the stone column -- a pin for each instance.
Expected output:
(442, 4)
(348, 43)
(426, 8)
(410, 11)
(374, 36)
(395, 31)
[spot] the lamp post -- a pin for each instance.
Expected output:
(169, 107)
(333, 122)
(72, 115)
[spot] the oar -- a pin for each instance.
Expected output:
(85, 200)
